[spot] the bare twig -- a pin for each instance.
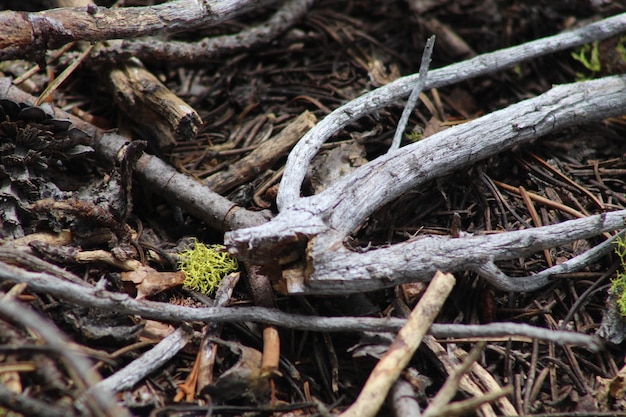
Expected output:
(451, 386)
(415, 93)
(460, 408)
(388, 369)
(155, 50)
(266, 154)
(124, 304)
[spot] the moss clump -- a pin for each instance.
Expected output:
(205, 266)
(618, 284)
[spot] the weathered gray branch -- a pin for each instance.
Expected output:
(310, 144)
(324, 220)
(124, 304)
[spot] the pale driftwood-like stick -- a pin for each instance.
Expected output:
(265, 155)
(461, 408)
(388, 369)
(124, 304)
(321, 222)
(155, 50)
(415, 93)
(466, 383)
(25, 33)
(403, 400)
(489, 63)
(148, 362)
(486, 380)
(449, 389)
(181, 190)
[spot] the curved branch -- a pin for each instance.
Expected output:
(154, 50)
(309, 145)
(345, 204)
(124, 304)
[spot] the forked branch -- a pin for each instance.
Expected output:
(321, 222)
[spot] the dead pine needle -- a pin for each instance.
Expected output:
(388, 369)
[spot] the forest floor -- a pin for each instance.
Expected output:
(336, 52)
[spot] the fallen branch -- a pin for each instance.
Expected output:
(155, 50)
(180, 189)
(27, 33)
(124, 304)
(307, 148)
(321, 222)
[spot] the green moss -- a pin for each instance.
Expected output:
(589, 56)
(618, 284)
(413, 136)
(205, 266)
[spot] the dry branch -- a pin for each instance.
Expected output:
(266, 154)
(155, 50)
(157, 114)
(27, 33)
(489, 63)
(388, 369)
(124, 304)
(321, 222)
(181, 190)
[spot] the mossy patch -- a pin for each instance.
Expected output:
(205, 266)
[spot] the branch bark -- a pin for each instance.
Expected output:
(307, 148)
(322, 221)
(26, 33)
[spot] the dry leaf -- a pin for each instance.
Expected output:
(150, 281)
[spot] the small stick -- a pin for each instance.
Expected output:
(402, 349)
(451, 386)
(415, 93)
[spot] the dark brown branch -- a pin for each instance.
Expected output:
(23, 33)
(181, 190)
(154, 50)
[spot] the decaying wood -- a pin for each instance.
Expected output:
(26, 33)
(388, 369)
(155, 113)
(265, 155)
(321, 222)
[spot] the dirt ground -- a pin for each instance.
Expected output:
(336, 52)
